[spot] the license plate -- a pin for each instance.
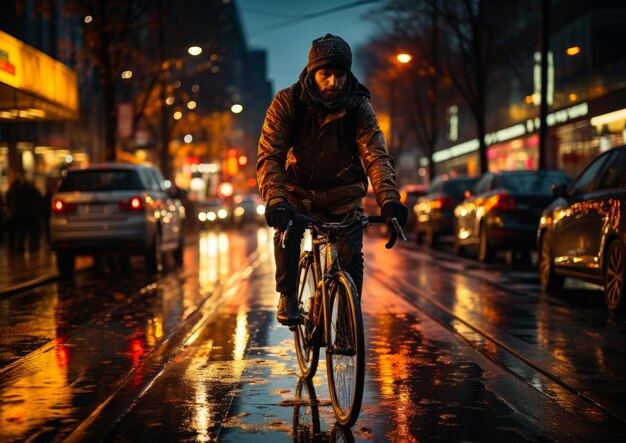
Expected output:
(93, 209)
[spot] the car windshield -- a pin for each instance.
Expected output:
(101, 180)
(456, 188)
(533, 183)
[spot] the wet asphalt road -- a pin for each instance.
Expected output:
(458, 351)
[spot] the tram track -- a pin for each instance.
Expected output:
(444, 316)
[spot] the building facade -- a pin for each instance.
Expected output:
(586, 93)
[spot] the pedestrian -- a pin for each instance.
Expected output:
(15, 214)
(319, 144)
(33, 214)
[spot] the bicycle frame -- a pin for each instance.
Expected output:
(323, 272)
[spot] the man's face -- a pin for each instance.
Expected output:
(330, 82)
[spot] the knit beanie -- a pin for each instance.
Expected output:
(329, 50)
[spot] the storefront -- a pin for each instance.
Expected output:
(33, 88)
(577, 135)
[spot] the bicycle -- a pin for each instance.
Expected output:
(331, 313)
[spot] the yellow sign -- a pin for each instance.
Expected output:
(31, 71)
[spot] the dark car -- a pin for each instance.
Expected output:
(503, 210)
(212, 213)
(248, 208)
(434, 212)
(582, 234)
(409, 194)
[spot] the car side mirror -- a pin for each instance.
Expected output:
(559, 190)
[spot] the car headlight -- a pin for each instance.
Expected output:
(202, 216)
(260, 209)
(211, 216)
(222, 213)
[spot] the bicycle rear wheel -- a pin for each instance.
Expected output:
(345, 352)
(305, 334)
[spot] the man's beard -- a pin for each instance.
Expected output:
(330, 95)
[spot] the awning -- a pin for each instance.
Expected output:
(34, 86)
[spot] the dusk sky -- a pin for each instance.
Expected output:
(268, 25)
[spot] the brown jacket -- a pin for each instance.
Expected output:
(320, 166)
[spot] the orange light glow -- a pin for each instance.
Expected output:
(404, 57)
(573, 50)
(225, 189)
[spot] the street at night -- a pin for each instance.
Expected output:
(457, 351)
(331, 221)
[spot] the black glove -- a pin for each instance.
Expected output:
(279, 214)
(395, 209)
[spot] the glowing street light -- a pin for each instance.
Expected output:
(88, 19)
(404, 57)
(191, 104)
(178, 115)
(127, 74)
(573, 50)
(194, 50)
(236, 108)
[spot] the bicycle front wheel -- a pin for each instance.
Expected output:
(305, 334)
(345, 352)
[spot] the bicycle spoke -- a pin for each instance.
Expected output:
(345, 358)
(307, 348)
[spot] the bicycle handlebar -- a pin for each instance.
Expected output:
(364, 221)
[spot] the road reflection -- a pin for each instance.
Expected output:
(306, 418)
(84, 358)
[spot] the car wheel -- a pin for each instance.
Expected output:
(419, 238)
(550, 282)
(432, 239)
(614, 277)
(65, 264)
(522, 257)
(485, 251)
(154, 256)
(178, 252)
(459, 249)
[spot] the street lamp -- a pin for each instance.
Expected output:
(404, 57)
(194, 50)
(236, 108)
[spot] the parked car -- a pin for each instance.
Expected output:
(582, 234)
(213, 213)
(408, 196)
(248, 208)
(434, 212)
(115, 208)
(502, 212)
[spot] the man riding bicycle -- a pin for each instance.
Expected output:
(319, 144)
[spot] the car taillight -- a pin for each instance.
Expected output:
(132, 204)
(443, 202)
(504, 202)
(60, 207)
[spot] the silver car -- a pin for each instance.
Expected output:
(115, 208)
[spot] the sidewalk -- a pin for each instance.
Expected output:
(23, 270)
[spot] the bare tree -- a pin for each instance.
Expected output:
(457, 40)
(113, 40)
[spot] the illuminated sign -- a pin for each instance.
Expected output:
(502, 135)
(5, 64)
(31, 71)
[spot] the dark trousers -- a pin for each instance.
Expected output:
(348, 248)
